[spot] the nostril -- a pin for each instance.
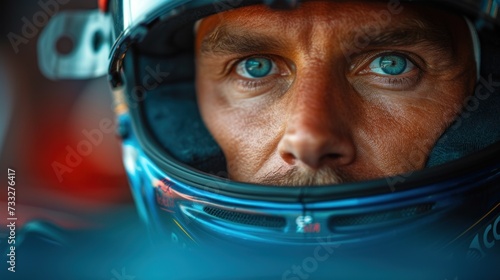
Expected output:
(288, 158)
(328, 158)
(338, 158)
(331, 156)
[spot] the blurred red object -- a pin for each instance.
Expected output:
(47, 119)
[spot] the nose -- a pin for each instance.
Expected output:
(316, 149)
(318, 128)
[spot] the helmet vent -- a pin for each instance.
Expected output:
(381, 218)
(245, 218)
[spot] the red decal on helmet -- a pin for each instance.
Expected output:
(164, 195)
(103, 5)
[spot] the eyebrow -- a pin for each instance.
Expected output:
(226, 40)
(412, 32)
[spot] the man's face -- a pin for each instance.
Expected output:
(330, 92)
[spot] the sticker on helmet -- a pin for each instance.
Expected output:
(305, 225)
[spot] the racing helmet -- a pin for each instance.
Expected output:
(178, 174)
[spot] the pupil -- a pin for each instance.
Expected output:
(393, 64)
(258, 67)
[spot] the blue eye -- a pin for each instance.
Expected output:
(391, 65)
(256, 67)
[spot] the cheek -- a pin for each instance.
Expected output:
(253, 138)
(398, 132)
(213, 111)
(246, 131)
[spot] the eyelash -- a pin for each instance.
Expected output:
(395, 81)
(402, 81)
(251, 84)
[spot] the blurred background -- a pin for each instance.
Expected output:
(42, 121)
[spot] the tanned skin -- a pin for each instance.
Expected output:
(326, 113)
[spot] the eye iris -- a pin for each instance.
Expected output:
(258, 67)
(393, 64)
